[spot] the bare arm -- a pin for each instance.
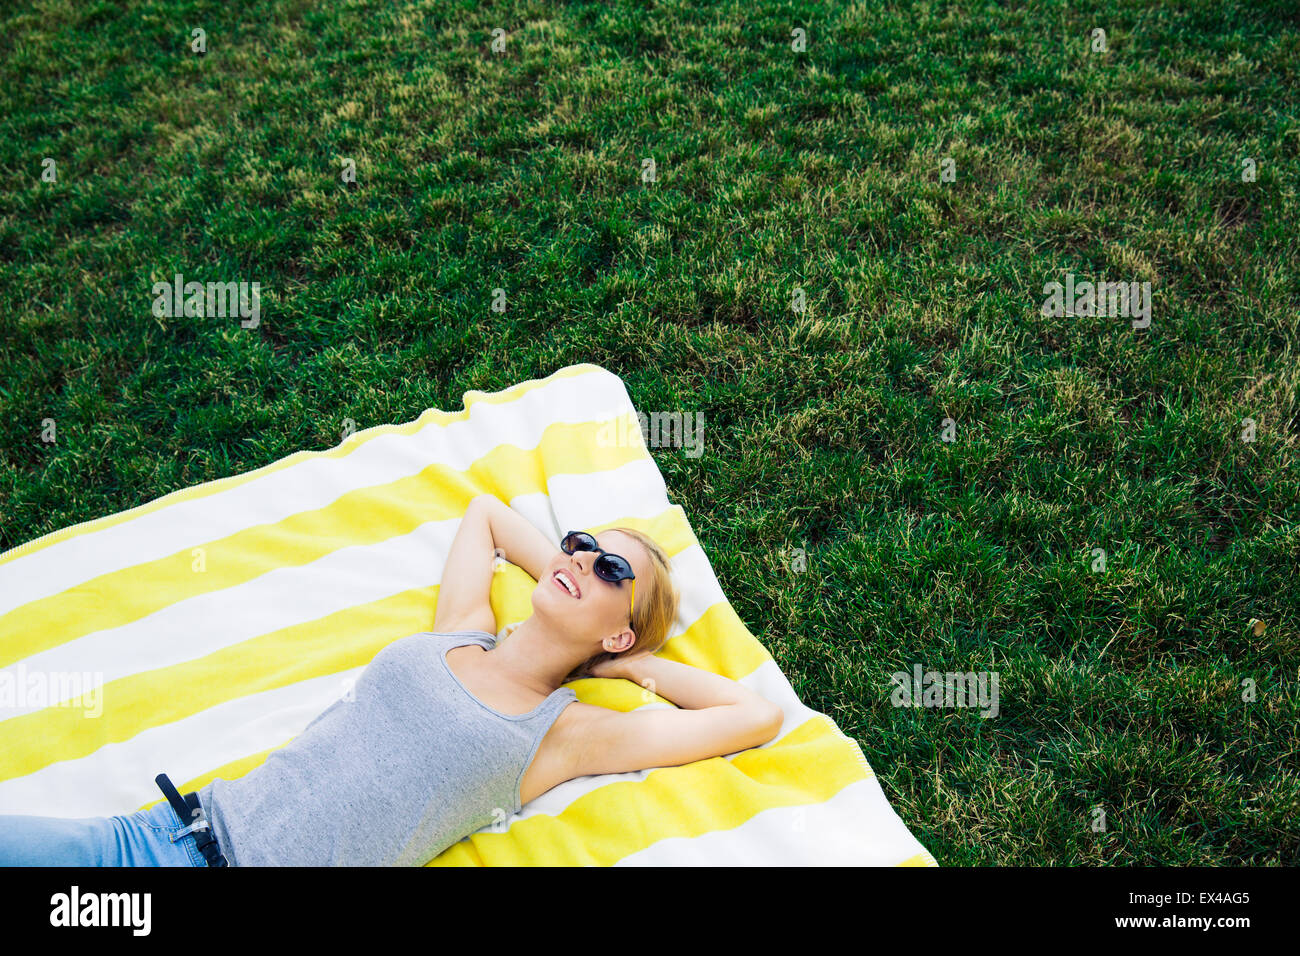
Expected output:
(463, 594)
(691, 687)
(523, 544)
(716, 716)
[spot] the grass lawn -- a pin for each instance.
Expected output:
(1170, 157)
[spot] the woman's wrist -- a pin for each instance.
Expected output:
(685, 685)
(633, 668)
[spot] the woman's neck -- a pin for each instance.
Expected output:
(535, 657)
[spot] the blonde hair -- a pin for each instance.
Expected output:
(654, 608)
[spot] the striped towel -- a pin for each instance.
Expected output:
(196, 633)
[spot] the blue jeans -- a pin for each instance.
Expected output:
(143, 838)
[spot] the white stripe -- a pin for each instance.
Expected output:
(309, 485)
(575, 502)
(286, 597)
(275, 602)
(634, 490)
(117, 778)
(855, 827)
(766, 680)
(209, 622)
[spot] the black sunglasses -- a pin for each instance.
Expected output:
(608, 567)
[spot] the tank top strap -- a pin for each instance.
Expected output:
(560, 698)
(484, 639)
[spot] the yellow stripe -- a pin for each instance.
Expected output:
(230, 771)
(736, 658)
(431, 418)
(327, 645)
(921, 859)
(331, 644)
(360, 517)
(807, 766)
(804, 768)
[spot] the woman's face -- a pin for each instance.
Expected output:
(598, 608)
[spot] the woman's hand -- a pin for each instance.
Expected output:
(617, 665)
(607, 665)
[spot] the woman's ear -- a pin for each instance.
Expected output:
(623, 640)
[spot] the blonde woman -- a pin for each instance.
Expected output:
(448, 731)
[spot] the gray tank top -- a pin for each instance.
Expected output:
(392, 778)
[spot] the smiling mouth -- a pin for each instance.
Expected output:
(564, 581)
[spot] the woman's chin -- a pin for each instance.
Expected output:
(550, 604)
(543, 601)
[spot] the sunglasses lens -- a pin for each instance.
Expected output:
(578, 541)
(611, 567)
(608, 567)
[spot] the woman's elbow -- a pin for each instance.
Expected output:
(769, 722)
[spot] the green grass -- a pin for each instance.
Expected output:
(1120, 690)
